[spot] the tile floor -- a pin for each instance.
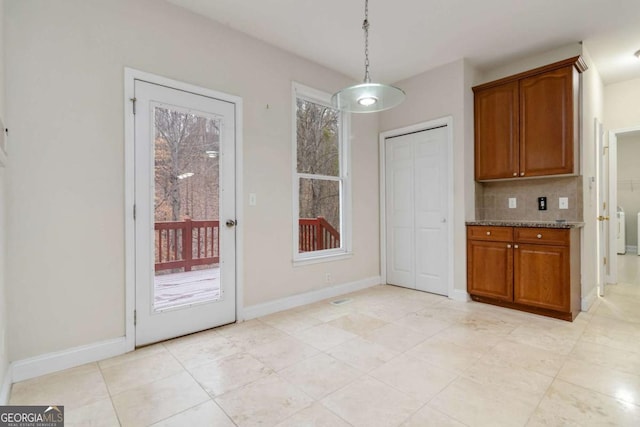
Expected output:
(390, 357)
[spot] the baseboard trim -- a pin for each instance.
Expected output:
(588, 300)
(460, 295)
(57, 361)
(5, 391)
(281, 304)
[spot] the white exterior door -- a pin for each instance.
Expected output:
(184, 197)
(417, 210)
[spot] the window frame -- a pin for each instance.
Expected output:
(344, 178)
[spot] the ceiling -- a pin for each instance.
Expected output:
(408, 37)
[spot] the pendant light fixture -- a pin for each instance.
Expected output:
(367, 97)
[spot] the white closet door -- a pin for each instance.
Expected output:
(417, 210)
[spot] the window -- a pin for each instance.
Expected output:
(321, 203)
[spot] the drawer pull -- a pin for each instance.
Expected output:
(508, 246)
(539, 236)
(515, 246)
(488, 233)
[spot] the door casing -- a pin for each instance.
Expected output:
(130, 75)
(444, 121)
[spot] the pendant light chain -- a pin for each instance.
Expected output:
(365, 27)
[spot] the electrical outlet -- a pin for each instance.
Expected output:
(253, 199)
(512, 203)
(328, 278)
(563, 203)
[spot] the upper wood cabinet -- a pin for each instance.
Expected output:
(526, 125)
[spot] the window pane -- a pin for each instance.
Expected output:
(319, 222)
(317, 139)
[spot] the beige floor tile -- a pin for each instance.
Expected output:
(469, 337)
(250, 334)
(606, 357)
(324, 336)
(538, 336)
(429, 417)
(528, 386)
(315, 415)
(357, 323)
(282, 353)
(613, 333)
(395, 337)
(566, 404)
(97, 414)
(226, 374)
(139, 371)
(290, 321)
(423, 325)
(320, 375)
(156, 401)
(392, 309)
(324, 311)
(362, 354)
(368, 402)
(204, 414)
(201, 349)
(133, 355)
(415, 377)
(620, 385)
(510, 353)
(72, 388)
(446, 354)
(477, 404)
(264, 402)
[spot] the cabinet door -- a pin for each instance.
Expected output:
(542, 276)
(496, 132)
(547, 123)
(490, 269)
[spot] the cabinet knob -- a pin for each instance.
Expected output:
(521, 173)
(515, 246)
(515, 174)
(508, 246)
(539, 236)
(488, 233)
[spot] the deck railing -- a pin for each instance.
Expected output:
(186, 244)
(316, 234)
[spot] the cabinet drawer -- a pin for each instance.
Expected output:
(549, 236)
(491, 233)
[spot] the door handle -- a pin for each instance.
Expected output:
(603, 218)
(231, 223)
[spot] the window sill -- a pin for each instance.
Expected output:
(322, 258)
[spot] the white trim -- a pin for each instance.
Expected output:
(453, 293)
(587, 301)
(631, 249)
(130, 75)
(57, 361)
(275, 306)
(299, 90)
(5, 392)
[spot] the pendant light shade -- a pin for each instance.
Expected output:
(367, 97)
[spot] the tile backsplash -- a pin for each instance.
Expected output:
(492, 199)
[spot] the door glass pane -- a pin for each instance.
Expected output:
(186, 208)
(319, 222)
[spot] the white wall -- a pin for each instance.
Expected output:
(65, 62)
(629, 184)
(3, 224)
(592, 108)
(621, 106)
(445, 91)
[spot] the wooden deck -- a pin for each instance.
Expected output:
(189, 287)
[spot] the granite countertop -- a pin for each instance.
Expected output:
(533, 224)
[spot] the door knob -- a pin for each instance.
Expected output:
(603, 218)
(231, 223)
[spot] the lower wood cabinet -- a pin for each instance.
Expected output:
(531, 269)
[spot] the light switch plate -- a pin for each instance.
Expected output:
(563, 203)
(512, 203)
